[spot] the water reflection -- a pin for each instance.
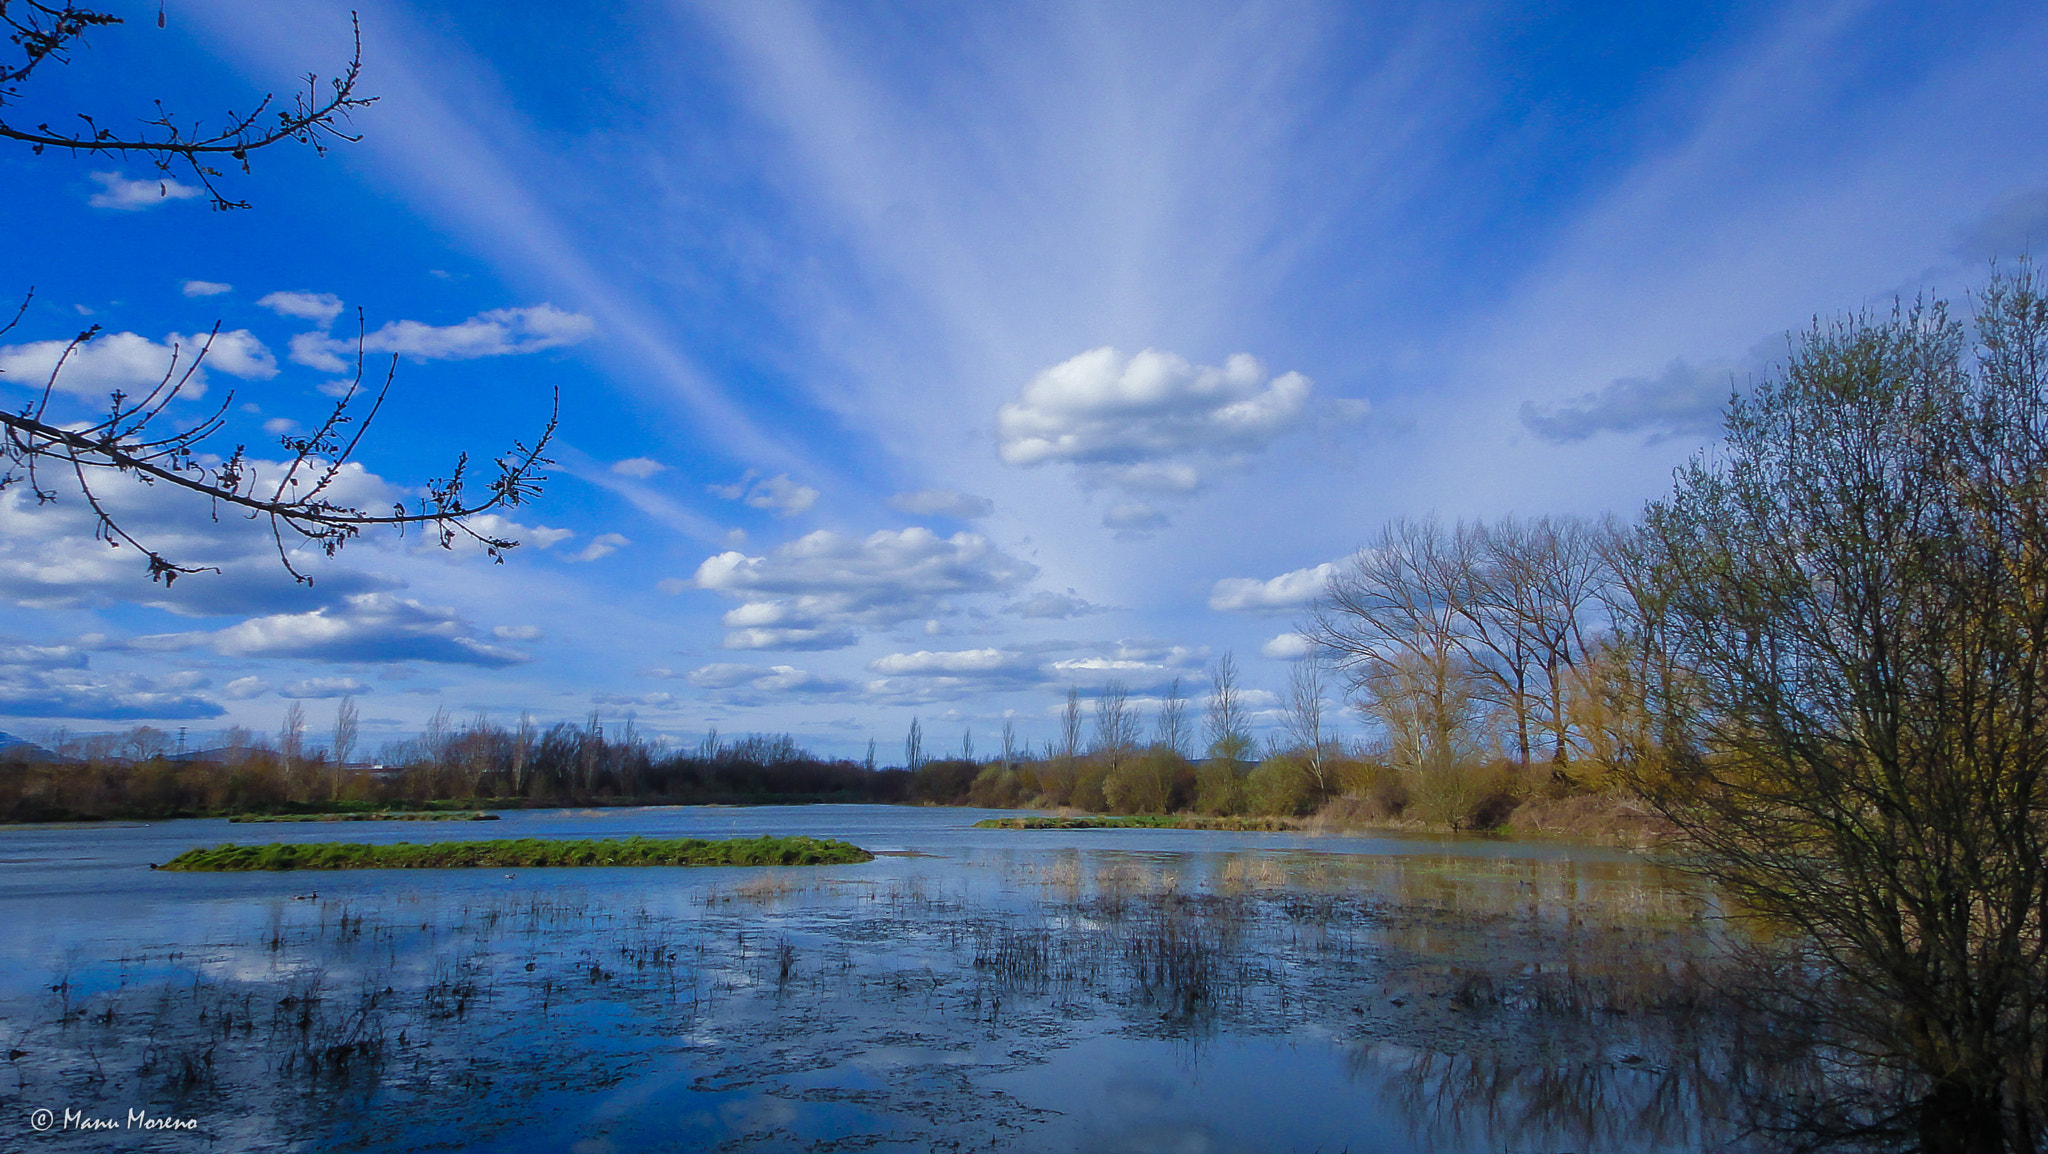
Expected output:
(1275, 994)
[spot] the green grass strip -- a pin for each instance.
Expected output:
(523, 852)
(401, 815)
(1146, 821)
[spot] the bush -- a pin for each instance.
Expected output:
(1220, 787)
(1281, 785)
(1156, 781)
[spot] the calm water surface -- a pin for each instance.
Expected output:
(969, 989)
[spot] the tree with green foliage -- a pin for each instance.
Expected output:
(1855, 586)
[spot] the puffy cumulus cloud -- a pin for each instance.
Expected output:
(639, 468)
(205, 288)
(784, 496)
(602, 545)
(1048, 604)
(1290, 592)
(49, 559)
(942, 503)
(322, 687)
(1288, 647)
(1150, 422)
(123, 195)
(320, 308)
(499, 332)
(366, 627)
(131, 362)
(1133, 520)
(77, 692)
(814, 592)
(731, 683)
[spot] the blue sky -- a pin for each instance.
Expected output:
(923, 360)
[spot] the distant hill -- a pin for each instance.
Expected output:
(12, 746)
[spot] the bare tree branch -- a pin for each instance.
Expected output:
(299, 506)
(46, 32)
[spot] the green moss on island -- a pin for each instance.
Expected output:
(523, 853)
(389, 815)
(1147, 821)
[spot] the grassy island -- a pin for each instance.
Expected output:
(522, 852)
(386, 815)
(1147, 821)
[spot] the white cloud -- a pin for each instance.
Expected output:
(244, 688)
(1150, 422)
(1004, 664)
(499, 332)
(735, 684)
(1288, 647)
(516, 632)
(1045, 603)
(237, 353)
(779, 493)
(45, 656)
(639, 468)
(757, 637)
(320, 308)
(1139, 664)
(641, 700)
(603, 545)
(812, 592)
(120, 193)
(1133, 520)
(205, 288)
(322, 687)
(49, 558)
(366, 627)
(129, 361)
(76, 692)
(1290, 592)
(942, 503)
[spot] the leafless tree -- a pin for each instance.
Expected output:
(1173, 720)
(1305, 728)
(1395, 616)
(1116, 724)
(291, 739)
(913, 746)
(344, 746)
(522, 752)
(1225, 725)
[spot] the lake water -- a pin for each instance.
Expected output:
(969, 989)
